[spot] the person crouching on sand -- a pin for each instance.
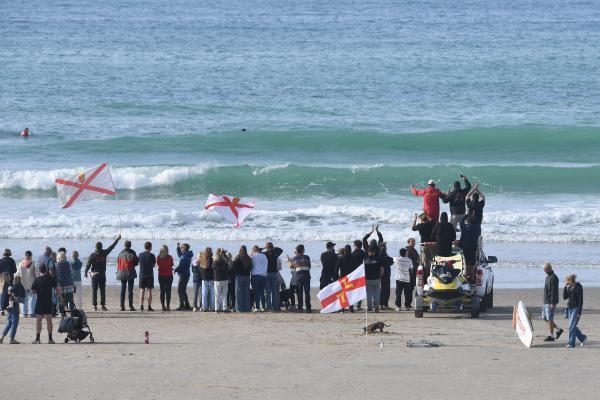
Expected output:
(573, 292)
(550, 302)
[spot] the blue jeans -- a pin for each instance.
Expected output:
(373, 293)
(197, 296)
(242, 293)
(272, 289)
(208, 295)
(304, 293)
(29, 305)
(12, 322)
(574, 331)
(258, 286)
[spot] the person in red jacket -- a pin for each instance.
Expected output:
(431, 199)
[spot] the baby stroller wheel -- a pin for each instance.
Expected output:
(66, 340)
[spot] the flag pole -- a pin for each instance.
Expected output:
(366, 325)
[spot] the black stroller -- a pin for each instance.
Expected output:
(75, 326)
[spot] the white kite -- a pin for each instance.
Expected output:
(88, 185)
(232, 209)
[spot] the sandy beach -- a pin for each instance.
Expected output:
(286, 355)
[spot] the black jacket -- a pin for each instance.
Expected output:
(207, 274)
(574, 295)
(242, 267)
(476, 208)
(366, 242)
(345, 265)
(372, 268)
(386, 262)
(221, 268)
(358, 256)
(97, 260)
(469, 234)
(272, 256)
(329, 261)
(457, 199)
(7, 264)
(444, 235)
(425, 231)
(551, 289)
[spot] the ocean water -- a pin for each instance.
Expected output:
(344, 105)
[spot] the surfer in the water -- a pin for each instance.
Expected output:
(25, 133)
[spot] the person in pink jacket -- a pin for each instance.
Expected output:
(431, 199)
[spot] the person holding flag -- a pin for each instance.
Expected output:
(96, 263)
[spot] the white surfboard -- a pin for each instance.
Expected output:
(522, 323)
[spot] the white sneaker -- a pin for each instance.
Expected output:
(195, 309)
(398, 309)
(584, 340)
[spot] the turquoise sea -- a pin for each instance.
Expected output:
(323, 112)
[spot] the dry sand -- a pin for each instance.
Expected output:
(289, 356)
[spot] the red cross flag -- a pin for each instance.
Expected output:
(88, 185)
(344, 292)
(232, 209)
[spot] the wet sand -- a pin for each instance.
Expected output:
(288, 355)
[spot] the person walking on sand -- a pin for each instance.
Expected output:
(260, 265)
(14, 293)
(44, 286)
(165, 277)
(242, 266)
(328, 261)
(431, 199)
(27, 272)
(550, 302)
(573, 293)
(76, 266)
(221, 266)
(301, 264)
(127, 260)
(96, 263)
(147, 261)
(208, 277)
(183, 270)
(271, 284)
(404, 266)
(457, 198)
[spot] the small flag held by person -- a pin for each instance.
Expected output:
(344, 292)
(232, 209)
(91, 184)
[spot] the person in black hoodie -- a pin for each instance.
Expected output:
(444, 235)
(373, 243)
(386, 262)
(469, 239)
(7, 264)
(573, 293)
(373, 274)
(97, 264)
(358, 256)
(457, 198)
(329, 262)
(425, 229)
(272, 282)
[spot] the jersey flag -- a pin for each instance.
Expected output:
(91, 184)
(344, 292)
(232, 209)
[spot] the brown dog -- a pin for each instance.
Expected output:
(374, 326)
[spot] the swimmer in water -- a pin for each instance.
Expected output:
(25, 132)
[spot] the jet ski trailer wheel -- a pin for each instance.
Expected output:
(474, 306)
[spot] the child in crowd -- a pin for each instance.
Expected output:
(13, 294)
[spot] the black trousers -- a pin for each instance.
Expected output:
(182, 290)
(165, 282)
(231, 295)
(99, 282)
(407, 288)
(384, 296)
(124, 286)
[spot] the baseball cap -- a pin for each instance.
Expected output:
(330, 245)
(431, 182)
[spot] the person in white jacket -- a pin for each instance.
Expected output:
(404, 267)
(26, 269)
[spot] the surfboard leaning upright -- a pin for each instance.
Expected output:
(522, 324)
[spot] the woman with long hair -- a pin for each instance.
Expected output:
(207, 275)
(221, 267)
(165, 277)
(242, 266)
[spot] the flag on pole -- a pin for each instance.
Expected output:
(232, 209)
(344, 292)
(88, 185)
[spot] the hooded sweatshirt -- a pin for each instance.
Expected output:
(431, 200)
(457, 198)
